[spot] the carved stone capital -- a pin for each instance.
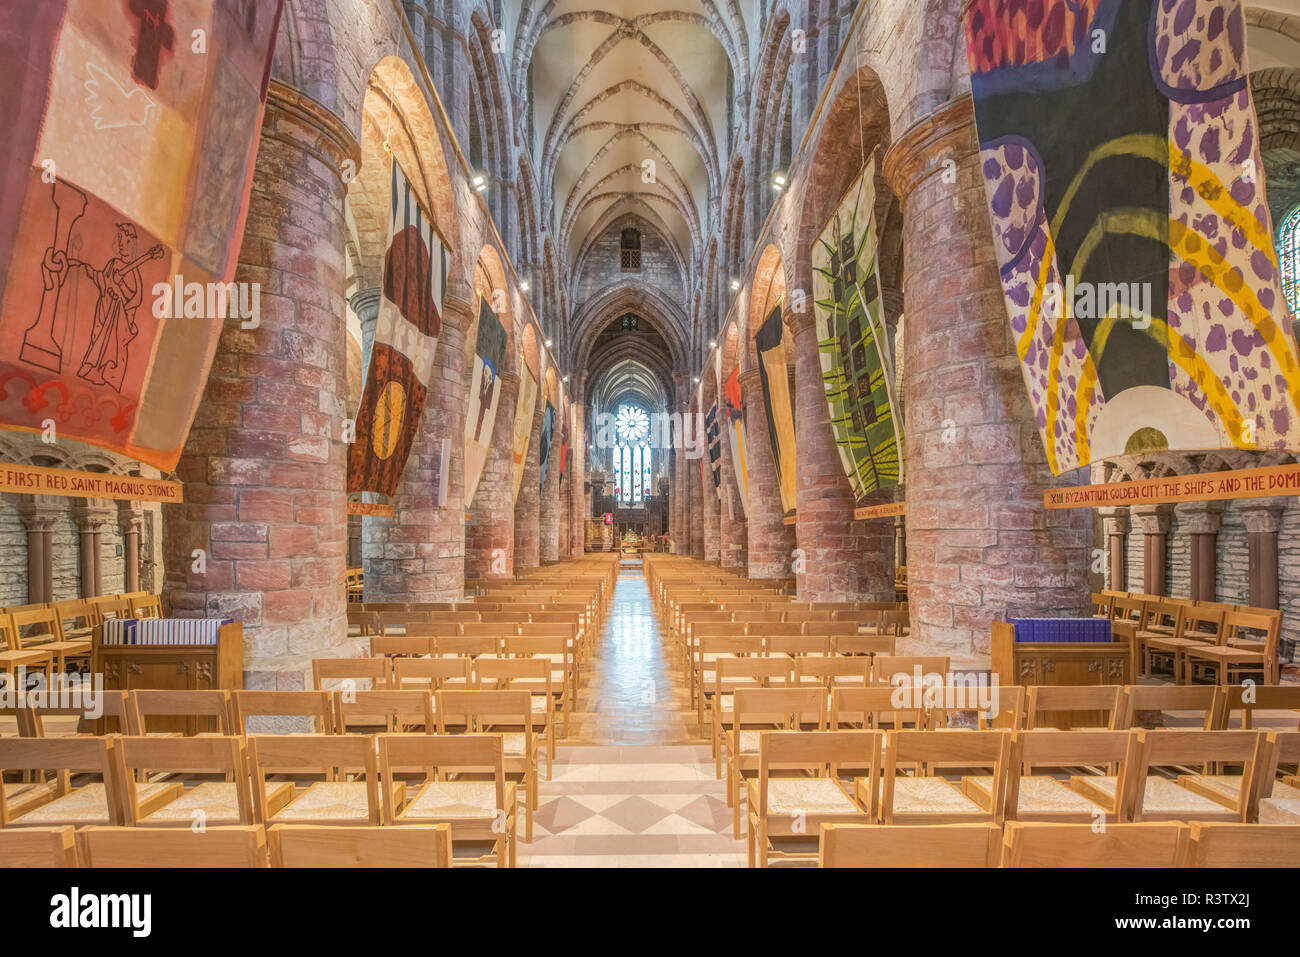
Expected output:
(1153, 519)
(1263, 519)
(1199, 518)
(922, 150)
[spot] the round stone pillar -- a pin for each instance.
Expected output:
(38, 521)
(709, 497)
(841, 559)
(1115, 526)
(1155, 522)
(419, 553)
(980, 543)
(527, 531)
(490, 527)
(771, 541)
(261, 536)
(579, 511)
(694, 480)
(1201, 522)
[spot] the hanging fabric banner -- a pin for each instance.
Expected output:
(1121, 159)
(712, 434)
(484, 394)
(124, 180)
(564, 437)
(853, 343)
(406, 338)
(548, 433)
(775, 381)
(523, 423)
(736, 435)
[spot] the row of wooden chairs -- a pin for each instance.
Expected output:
(231, 845)
(47, 637)
(795, 781)
(468, 781)
(1017, 844)
(1232, 641)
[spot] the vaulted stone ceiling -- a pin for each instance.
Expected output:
(630, 113)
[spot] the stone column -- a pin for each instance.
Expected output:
(1115, 522)
(771, 541)
(695, 481)
(490, 528)
(38, 521)
(1262, 525)
(841, 559)
(1154, 520)
(131, 517)
(578, 511)
(1201, 520)
(90, 522)
(679, 527)
(733, 530)
(980, 544)
(365, 304)
(709, 497)
(419, 553)
(527, 533)
(265, 464)
(548, 519)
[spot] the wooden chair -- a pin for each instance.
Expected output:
(466, 646)
(1090, 707)
(477, 811)
(764, 709)
(910, 845)
(564, 674)
(209, 802)
(40, 627)
(875, 707)
(145, 606)
(230, 845)
(206, 711)
(55, 802)
(1199, 626)
(1081, 845)
(926, 798)
(364, 622)
(524, 674)
(1280, 747)
(709, 651)
(893, 669)
(430, 674)
(38, 847)
(332, 797)
(1044, 797)
(730, 674)
(77, 620)
(792, 807)
(798, 646)
(384, 710)
(1157, 798)
(865, 645)
(394, 622)
(350, 671)
(14, 656)
(1004, 710)
(307, 846)
(1244, 845)
(1237, 655)
(1247, 699)
(277, 711)
(401, 646)
(508, 713)
(832, 671)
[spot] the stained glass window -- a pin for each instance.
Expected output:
(1288, 251)
(632, 455)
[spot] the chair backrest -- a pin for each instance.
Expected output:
(783, 707)
(476, 708)
(1081, 845)
(392, 646)
(494, 630)
(393, 710)
(1245, 625)
(910, 845)
(232, 845)
(63, 756)
(146, 606)
(926, 751)
(113, 705)
(504, 672)
(864, 644)
(798, 645)
(330, 756)
(1196, 698)
(38, 847)
(1204, 621)
(315, 706)
(429, 674)
(79, 612)
(201, 710)
(349, 671)
(434, 755)
(892, 669)
(761, 672)
(832, 670)
(138, 756)
(1128, 609)
(435, 629)
(1082, 703)
(412, 845)
(1244, 845)
(1283, 751)
(1251, 698)
(112, 607)
(390, 621)
(1051, 748)
(36, 624)
(728, 645)
(1000, 706)
(870, 706)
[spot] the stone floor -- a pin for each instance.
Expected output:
(633, 784)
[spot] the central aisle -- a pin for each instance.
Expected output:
(633, 785)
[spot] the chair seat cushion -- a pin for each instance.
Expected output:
(329, 800)
(808, 796)
(1039, 794)
(219, 802)
(1164, 798)
(454, 800)
(85, 805)
(929, 795)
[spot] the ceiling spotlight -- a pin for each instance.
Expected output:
(523, 285)
(735, 284)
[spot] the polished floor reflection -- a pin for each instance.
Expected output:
(633, 784)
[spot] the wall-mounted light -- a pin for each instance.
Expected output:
(479, 183)
(697, 380)
(713, 344)
(523, 285)
(778, 182)
(735, 284)
(564, 379)
(549, 343)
